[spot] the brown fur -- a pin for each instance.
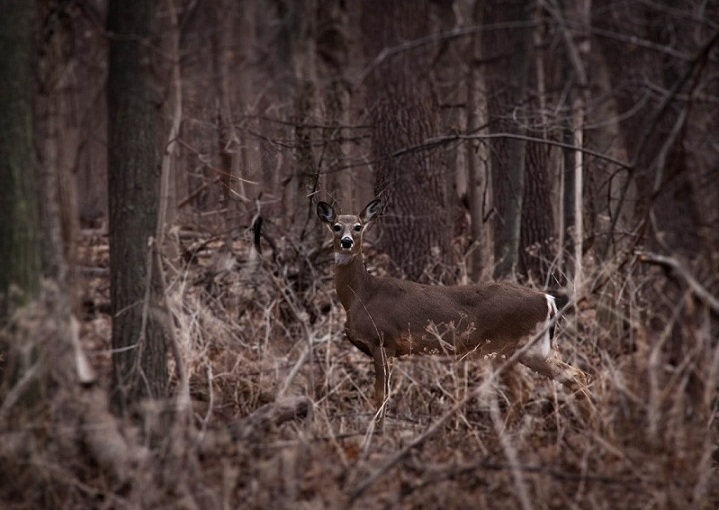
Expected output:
(400, 312)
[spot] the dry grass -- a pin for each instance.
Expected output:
(249, 339)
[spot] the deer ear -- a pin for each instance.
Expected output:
(325, 212)
(371, 211)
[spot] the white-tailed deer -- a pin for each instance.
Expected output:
(389, 317)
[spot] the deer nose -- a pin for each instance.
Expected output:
(346, 243)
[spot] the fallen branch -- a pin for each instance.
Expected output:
(271, 416)
(662, 260)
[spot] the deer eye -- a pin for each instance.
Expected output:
(337, 228)
(357, 228)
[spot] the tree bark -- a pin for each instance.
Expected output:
(537, 246)
(139, 360)
(333, 49)
(57, 144)
(578, 49)
(410, 177)
(19, 199)
(297, 88)
(536, 252)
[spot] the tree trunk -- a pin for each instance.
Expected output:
(247, 173)
(506, 87)
(40, 352)
(57, 144)
(410, 177)
(578, 48)
(228, 142)
(297, 40)
(576, 39)
(536, 252)
(19, 199)
(333, 49)
(479, 161)
(537, 246)
(139, 361)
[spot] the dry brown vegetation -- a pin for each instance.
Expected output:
(280, 412)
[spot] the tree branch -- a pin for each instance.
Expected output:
(431, 142)
(662, 260)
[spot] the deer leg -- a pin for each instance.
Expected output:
(381, 383)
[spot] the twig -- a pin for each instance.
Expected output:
(295, 370)
(522, 493)
(535, 469)
(442, 36)
(12, 396)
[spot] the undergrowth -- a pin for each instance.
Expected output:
(252, 338)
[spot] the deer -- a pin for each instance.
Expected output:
(391, 317)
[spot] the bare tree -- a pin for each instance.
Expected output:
(536, 249)
(479, 161)
(573, 26)
(139, 360)
(228, 138)
(508, 50)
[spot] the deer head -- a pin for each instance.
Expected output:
(347, 229)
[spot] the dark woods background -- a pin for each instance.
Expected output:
(468, 118)
(152, 149)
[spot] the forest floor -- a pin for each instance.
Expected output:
(280, 412)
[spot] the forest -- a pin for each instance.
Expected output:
(170, 331)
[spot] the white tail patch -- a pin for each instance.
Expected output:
(543, 346)
(552, 305)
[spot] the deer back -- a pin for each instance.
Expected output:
(411, 318)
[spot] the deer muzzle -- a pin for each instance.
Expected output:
(346, 243)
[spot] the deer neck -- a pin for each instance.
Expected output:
(351, 278)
